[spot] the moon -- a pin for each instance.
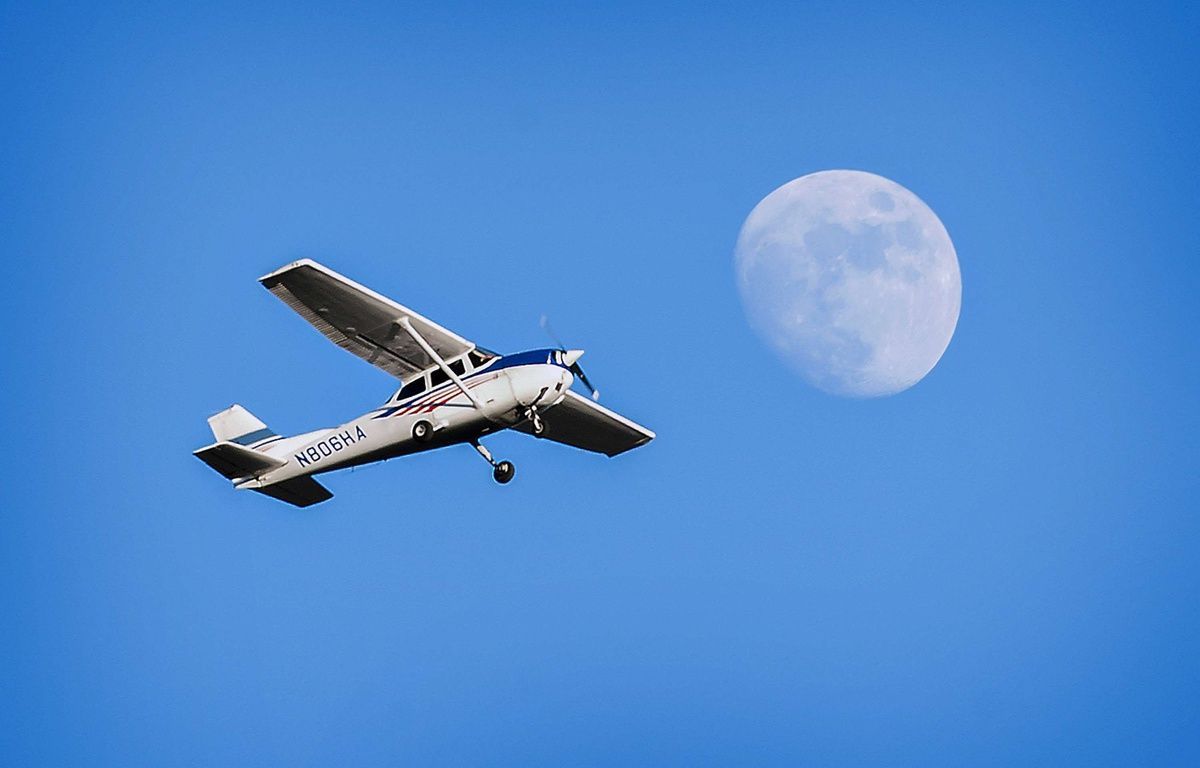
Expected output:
(852, 280)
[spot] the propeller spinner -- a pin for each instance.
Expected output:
(571, 358)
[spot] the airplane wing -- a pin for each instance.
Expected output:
(584, 424)
(361, 321)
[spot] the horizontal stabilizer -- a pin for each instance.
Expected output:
(300, 491)
(237, 462)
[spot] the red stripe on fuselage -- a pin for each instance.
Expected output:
(427, 403)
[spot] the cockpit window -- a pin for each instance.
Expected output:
(415, 387)
(438, 377)
(480, 356)
(458, 367)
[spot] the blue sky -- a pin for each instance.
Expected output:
(996, 567)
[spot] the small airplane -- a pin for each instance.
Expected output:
(453, 392)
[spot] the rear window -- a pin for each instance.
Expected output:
(412, 388)
(458, 367)
(438, 377)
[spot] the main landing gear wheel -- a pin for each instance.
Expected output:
(422, 430)
(503, 472)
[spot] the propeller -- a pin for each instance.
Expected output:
(570, 357)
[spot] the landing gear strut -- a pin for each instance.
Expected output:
(502, 471)
(532, 414)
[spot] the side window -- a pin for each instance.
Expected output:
(458, 367)
(477, 359)
(415, 387)
(438, 377)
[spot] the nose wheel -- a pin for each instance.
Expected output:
(502, 471)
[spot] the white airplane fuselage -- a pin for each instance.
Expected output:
(504, 391)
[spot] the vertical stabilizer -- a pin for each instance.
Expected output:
(237, 425)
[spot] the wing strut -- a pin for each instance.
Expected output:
(435, 357)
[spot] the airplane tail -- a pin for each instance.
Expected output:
(237, 425)
(237, 455)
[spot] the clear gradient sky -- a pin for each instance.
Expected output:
(997, 567)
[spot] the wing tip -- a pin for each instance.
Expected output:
(290, 266)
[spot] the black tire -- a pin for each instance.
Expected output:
(422, 431)
(504, 472)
